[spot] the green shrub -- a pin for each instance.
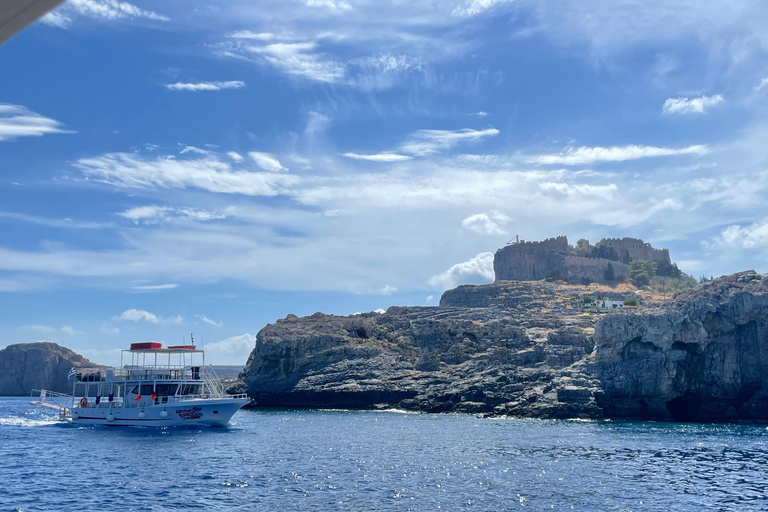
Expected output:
(630, 302)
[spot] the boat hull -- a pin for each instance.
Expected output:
(210, 413)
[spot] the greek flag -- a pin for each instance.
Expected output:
(71, 373)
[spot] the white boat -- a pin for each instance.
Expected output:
(159, 387)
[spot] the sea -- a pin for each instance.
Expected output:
(379, 461)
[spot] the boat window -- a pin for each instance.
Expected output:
(166, 389)
(191, 389)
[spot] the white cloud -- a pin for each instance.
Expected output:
(479, 114)
(234, 350)
(18, 121)
(385, 156)
(744, 237)
(340, 5)
(429, 298)
(236, 157)
(209, 321)
(247, 34)
(206, 86)
(473, 7)
(762, 85)
(266, 161)
(566, 189)
(427, 142)
(147, 214)
(385, 290)
(46, 329)
(480, 266)
(590, 155)
(124, 170)
(43, 329)
(690, 106)
(151, 287)
(298, 59)
(486, 223)
(104, 10)
(106, 329)
(153, 214)
(138, 315)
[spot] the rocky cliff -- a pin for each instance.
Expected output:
(524, 349)
(701, 356)
(28, 366)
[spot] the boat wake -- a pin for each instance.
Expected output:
(39, 421)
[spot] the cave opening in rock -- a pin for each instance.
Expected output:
(686, 407)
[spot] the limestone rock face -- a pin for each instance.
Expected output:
(481, 360)
(522, 349)
(702, 356)
(28, 366)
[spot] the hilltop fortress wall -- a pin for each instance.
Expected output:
(532, 261)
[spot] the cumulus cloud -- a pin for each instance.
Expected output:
(129, 170)
(480, 267)
(266, 161)
(236, 157)
(690, 106)
(744, 237)
(103, 10)
(385, 290)
(138, 315)
(18, 121)
(233, 350)
(427, 142)
(209, 321)
(206, 86)
(379, 157)
(486, 223)
(589, 155)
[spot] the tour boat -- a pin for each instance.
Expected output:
(157, 387)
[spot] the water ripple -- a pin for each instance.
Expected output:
(380, 461)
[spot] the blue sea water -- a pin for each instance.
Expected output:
(349, 460)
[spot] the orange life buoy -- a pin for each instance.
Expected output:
(83, 402)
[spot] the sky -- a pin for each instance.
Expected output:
(203, 167)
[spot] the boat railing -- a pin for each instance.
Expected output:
(122, 403)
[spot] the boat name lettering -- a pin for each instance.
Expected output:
(189, 414)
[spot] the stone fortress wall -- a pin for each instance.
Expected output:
(532, 261)
(636, 249)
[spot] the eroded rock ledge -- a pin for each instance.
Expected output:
(28, 366)
(701, 356)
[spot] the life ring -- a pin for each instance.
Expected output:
(83, 402)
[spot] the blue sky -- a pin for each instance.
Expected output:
(208, 167)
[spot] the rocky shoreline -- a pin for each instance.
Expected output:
(525, 349)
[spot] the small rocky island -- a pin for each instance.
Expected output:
(527, 347)
(28, 366)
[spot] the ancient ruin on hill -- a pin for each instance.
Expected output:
(555, 258)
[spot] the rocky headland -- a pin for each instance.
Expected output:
(28, 366)
(528, 349)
